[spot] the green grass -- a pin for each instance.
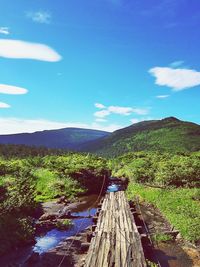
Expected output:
(159, 237)
(177, 205)
(50, 186)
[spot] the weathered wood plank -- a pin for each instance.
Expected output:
(116, 242)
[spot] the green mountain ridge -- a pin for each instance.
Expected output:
(166, 135)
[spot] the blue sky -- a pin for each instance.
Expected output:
(101, 64)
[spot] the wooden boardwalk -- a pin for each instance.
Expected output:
(116, 242)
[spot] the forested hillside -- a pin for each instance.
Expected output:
(67, 138)
(167, 135)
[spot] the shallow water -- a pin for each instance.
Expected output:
(171, 254)
(52, 238)
(167, 254)
(86, 208)
(113, 187)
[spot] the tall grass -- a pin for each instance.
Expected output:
(177, 205)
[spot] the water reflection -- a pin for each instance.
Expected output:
(87, 208)
(113, 188)
(55, 236)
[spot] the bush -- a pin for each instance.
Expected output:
(159, 169)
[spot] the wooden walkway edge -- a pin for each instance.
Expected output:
(117, 242)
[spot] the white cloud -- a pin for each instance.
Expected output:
(12, 90)
(108, 128)
(125, 111)
(40, 16)
(140, 111)
(120, 110)
(4, 105)
(100, 120)
(98, 105)
(176, 64)
(102, 113)
(135, 120)
(16, 125)
(4, 30)
(177, 79)
(162, 96)
(27, 50)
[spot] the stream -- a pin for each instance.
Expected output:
(170, 255)
(53, 237)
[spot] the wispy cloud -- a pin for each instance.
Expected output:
(4, 105)
(26, 50)
(4, 30)
(176, 64)
(12, 90)
(100, 106)
(125, 111)
(162, 96)
(177, 79)
(16, 125)
(120, 110)
(100, 120)
(140, 111)
(134, 120)
(102, 113)
(40, 16)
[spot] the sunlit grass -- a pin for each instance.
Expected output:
(177, 205)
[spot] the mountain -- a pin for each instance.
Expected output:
(166, 135)
(67, 138)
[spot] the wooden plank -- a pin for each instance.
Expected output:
(116, 242)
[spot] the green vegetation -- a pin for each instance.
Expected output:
(64, 224)
(49, 185)
(164, 171)
(25, 182)
(169, 181)
(177, 205)
(151, 264)
(160, 169)
(21, 151)
(159, 237)
(167, 135)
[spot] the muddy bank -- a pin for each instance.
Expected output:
(173, 252)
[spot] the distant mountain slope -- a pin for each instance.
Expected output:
(67, 138)
(167, 135)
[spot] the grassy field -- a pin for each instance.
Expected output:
(181, 207)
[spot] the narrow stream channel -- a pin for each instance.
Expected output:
(53, 237)
(169, 255)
